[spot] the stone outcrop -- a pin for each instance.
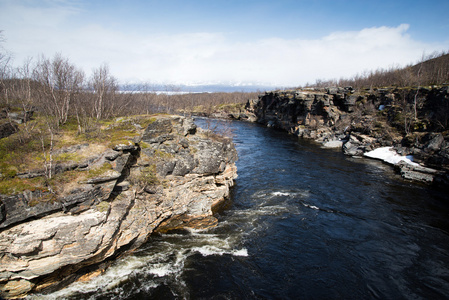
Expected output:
(9, 121)
(358, 122)
(171, 176)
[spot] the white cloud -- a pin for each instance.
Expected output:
(206, 57)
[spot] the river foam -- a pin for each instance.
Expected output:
(303, 222)
(163, 257)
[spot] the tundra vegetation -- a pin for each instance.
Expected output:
(410, 91)
(49, 103)
(76, 148)
(406, 109)
(54, 119)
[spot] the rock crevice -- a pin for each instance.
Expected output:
(172, 176)
(360, 121)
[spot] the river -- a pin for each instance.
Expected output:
(303, 223)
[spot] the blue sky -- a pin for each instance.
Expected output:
(281, 43)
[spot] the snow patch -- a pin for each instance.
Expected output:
(388, 155)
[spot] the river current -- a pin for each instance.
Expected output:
(302, 223)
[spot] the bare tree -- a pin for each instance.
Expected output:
(5, 59)
(104, 86)
(60, 82)
(415, 98)
(47, 152)
(25, 73)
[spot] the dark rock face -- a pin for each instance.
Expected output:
(172, 177)
(9, 121)
(181, 156)
(417, 173)
(7, 129)
(340, 117)
(184, 165)
(165, 129)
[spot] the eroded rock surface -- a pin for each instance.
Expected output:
(361, 121)
(172, 176)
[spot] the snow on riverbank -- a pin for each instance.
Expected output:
(388, 155)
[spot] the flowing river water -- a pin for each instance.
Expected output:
(303, 223)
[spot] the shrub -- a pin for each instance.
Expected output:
(145, 177)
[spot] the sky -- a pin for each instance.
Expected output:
(279, 43)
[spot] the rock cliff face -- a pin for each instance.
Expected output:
(173, 175)
(358, 122)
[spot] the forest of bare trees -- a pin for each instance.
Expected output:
(49, 99)
(432, 69)
(58, 89)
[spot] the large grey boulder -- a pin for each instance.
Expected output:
(435, 143)
(352, 148)
(417, 173)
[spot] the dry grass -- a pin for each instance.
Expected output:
(27, 151)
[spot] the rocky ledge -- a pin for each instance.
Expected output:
(171, 175)
(412, 122)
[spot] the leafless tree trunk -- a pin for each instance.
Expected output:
(47, 153)
(60, 82)
(104, 86)
(415, 99)
(5, 59)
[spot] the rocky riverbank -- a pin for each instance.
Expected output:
(412, 122)
(108, 199)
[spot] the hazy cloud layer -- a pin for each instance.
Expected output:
(207, 56)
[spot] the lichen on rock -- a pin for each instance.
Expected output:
(360, 121)
(171, 176)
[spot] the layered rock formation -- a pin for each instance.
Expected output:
(172, 175)
(358, 122)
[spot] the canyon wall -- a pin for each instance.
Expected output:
(413, 122)
(172, 175)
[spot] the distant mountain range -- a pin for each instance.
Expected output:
(205, 88)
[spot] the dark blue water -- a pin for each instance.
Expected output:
(303, 223)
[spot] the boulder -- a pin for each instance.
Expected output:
(435, 143)
(188, 126)
(349, 102)
(164, 168)
(111, 155)
(351, 148)
(416, 173)
(333, 144)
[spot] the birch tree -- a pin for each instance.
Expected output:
(104, 87)
(60, 81)
(5, 59)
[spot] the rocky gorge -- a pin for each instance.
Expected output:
(409, 122)
(108, 199)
